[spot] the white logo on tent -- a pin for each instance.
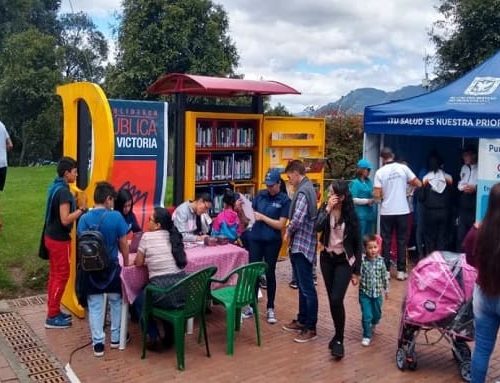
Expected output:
(482, 86)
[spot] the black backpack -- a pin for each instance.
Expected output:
(91, 249)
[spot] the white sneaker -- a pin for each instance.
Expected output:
(271, 316)
(388, 275)
(247, 312)
(366, 342)
(401, 276)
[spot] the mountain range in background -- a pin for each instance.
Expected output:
(355, 101)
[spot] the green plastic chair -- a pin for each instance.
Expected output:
(234, 298)
(194, 288)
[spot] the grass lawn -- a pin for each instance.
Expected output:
(22, 206)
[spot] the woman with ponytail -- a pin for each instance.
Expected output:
(161, 249)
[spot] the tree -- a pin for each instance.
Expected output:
(468, 34)
(278, 110)
(159, 36)
(28, 104)
(84, 48)
(344, 144)
(18, 15)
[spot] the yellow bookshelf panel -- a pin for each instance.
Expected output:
(290, 138)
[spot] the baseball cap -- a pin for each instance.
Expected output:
(364, 164)
(272, 177)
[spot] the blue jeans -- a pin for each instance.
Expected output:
(486, 322)
(267, 251)
(308, 298)
(294, 278)
(97, 310)
(371, 312)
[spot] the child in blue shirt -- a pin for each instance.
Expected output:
(373, 283)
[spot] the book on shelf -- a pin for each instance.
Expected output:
(242, 167)
(225, 134)
(202, 168)
(218, 205)
(204, 135)
(245, 137)
(224, 137)
(222, 167)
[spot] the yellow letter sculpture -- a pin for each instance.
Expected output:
(103, 149)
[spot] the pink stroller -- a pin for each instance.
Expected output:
(439, 298)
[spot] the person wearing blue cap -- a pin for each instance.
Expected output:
(361, 189)
(271, 207)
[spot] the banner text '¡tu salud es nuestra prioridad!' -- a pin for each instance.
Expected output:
(431, 121)
(136, 133)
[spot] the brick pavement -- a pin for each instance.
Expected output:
(278, 360)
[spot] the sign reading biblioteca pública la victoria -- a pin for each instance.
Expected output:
(141, 148)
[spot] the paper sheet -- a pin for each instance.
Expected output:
(247, 209)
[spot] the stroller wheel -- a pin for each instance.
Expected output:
(465, 371)
(462, 353)
(401, 361)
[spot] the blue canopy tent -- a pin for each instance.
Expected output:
(443, 120)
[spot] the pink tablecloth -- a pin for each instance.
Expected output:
(225, 258)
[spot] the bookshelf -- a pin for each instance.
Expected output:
(224, 149)
(285, 139)
(231, 150)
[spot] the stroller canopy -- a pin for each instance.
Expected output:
(437, 287)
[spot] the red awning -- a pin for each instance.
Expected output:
(216, 86)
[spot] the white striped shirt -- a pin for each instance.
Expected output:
(157, 250)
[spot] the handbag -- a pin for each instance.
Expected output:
(43, 252)
(172, 300)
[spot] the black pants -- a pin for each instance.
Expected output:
(336, 273)
(3, 175)
(245, 240)
(466, 218)
(436, 224)
(267, 251)
(399, 223)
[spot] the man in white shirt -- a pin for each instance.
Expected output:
(191, 218)
(5, 145)
(390, 185)
(467, 187)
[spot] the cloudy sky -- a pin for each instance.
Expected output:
(322, 48)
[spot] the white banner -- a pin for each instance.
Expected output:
(488, 172)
